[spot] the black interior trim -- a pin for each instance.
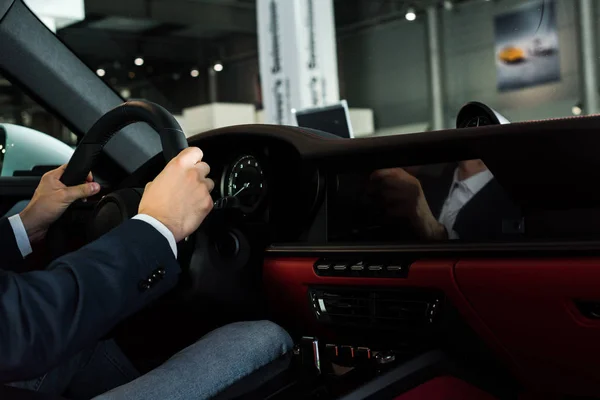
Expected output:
(446, 250)
(261, 383)
(22, 186)
(406, 376)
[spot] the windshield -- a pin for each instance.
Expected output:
(379, 67)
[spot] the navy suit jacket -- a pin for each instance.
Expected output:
(48, 316)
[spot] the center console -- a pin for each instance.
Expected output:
(376, 331)
(363, 317)
(331, 371)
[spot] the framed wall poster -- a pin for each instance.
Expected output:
(526, 46)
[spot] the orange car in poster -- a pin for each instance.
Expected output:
(511, 55)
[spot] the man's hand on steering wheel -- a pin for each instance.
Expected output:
(50, 200)
(179, 197)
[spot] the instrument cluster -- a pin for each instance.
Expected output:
(245, 179)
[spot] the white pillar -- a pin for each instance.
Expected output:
(297, 56)
(212, 85)
(435, 69)
(588, 56)
(56, 14)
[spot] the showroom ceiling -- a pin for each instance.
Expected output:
(196, 31)
(174, 36)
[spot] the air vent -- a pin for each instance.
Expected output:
(347, 307)
(375, 308)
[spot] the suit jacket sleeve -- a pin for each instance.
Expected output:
(12, 260)
(48, 316)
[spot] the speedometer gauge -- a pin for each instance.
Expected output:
(245, 179)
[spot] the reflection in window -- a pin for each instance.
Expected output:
(460, 200)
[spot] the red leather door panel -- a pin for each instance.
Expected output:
(528, 305)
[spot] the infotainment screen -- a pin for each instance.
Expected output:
(453, 201)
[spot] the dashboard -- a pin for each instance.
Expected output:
(296, 236)
(297, 188)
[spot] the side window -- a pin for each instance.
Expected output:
(32, 141)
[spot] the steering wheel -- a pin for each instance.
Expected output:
(122, 204)
(208, 260)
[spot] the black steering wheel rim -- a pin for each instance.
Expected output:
(86, 154)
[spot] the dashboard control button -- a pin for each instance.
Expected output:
(309, 350)
(332, 351)
(357, 267)
(363, 354)
(340, 267)
(361, 269)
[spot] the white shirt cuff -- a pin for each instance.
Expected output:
(20, 235)
(452, 234)
(159, 226)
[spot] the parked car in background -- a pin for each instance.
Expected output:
(25, 151)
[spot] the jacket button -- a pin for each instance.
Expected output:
(161, 271)
(143, 285)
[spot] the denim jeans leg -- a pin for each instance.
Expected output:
(210, 365)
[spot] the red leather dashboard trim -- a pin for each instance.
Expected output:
(528, 304)
(287, 279)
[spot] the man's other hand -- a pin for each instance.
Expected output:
(399, 192)
(50, 200)
(401, 195)
(179, 197)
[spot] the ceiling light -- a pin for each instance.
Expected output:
(194, 73)
(100, 72)
(448, 5)
(125, 93)
(410, 14)
(577, 109)
(139, 61)
(218, 67)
